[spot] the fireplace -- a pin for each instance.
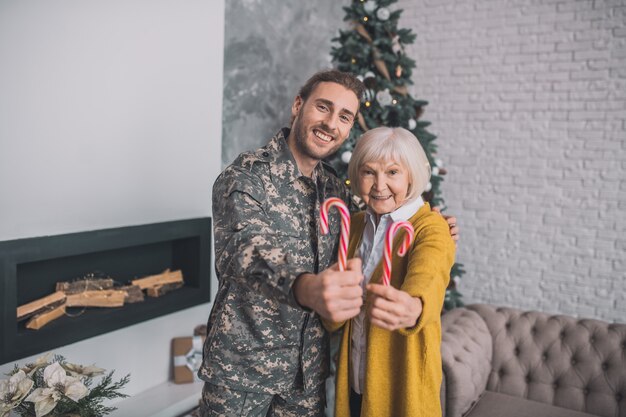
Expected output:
(30, 269)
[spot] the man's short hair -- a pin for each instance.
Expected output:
(345, 79)
(391, 144)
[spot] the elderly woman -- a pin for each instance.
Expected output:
(389, 359)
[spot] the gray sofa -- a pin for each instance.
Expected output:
(502, 362)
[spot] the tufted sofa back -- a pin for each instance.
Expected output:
(559, 360)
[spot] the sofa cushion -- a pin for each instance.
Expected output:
(493, 404)
(466, 356)
(555, 359)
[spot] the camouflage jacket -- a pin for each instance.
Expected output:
(267, 233)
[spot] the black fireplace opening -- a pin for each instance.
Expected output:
(30, 269)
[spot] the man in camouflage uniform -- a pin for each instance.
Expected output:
(266, 352)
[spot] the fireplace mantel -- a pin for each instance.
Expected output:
(30, 268)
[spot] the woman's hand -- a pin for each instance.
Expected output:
(393, 309)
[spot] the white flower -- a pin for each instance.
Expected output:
(13, 391)
(45, 400)
(39, 363)
(59, 384)
(80, 370)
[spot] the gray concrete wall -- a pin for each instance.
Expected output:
(271, 48)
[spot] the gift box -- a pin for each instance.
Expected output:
(187, 358)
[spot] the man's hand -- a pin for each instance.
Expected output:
(454, 229)
(334, 295)
(393, 309)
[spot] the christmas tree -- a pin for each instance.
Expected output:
(374, 49)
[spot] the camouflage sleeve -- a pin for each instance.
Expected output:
(247, 249)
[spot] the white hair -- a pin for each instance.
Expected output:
(387, 144)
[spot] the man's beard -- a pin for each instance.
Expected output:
(308, 150)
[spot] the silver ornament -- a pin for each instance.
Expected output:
(368, 95)
(412, 124)
(384, 97)
(383, 13)
(370, 6)
(428, 187)
(435, 170)
(345, 157)
(369, 74)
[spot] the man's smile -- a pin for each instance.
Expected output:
(322, 136)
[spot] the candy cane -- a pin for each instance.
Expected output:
(408, 239)
(345, 227)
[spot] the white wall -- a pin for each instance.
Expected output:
(110, 115)
(528, 99)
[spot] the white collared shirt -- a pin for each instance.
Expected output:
(371, 252)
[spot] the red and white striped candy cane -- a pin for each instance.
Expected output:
(345, 227)
(406, 243)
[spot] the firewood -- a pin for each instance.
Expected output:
(86, 284)
(40, 320)
(133, 294)
(38, 306)
(105, 298)
(160, 290)
(166, 277)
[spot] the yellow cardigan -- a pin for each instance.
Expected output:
(403, 368)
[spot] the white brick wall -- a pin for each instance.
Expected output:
(528, 98)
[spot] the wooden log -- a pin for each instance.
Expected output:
(87, 284)
(165, 277)
(133, 294)
(40, 320)
(38, 306)
(160, 290)
(105, 298)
